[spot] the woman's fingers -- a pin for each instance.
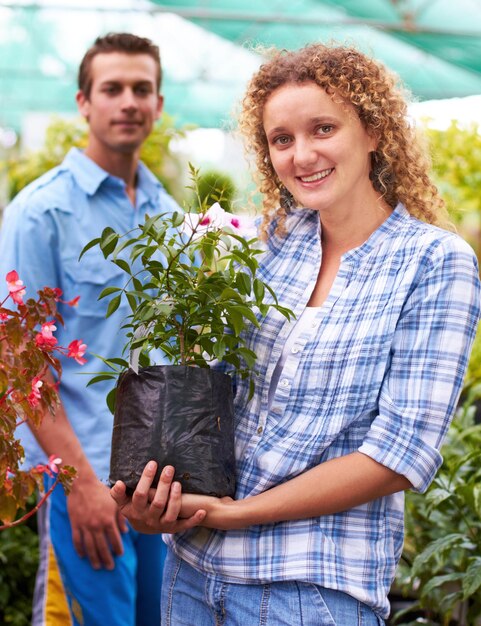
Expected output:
(140, 497)
(119, 494)
(155, 510)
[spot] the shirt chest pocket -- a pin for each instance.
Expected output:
(87, 278)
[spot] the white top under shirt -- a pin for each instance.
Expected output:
(303, 322)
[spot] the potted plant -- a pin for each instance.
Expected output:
(192, 288)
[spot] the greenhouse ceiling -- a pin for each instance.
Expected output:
(206, 46)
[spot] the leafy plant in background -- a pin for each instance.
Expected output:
(441, 563)
(28, 349)
(61, 135)
(214, 186)
(456, 154)
(19, 554)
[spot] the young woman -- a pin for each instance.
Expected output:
(355, 396)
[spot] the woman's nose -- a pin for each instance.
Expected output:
(304, 153)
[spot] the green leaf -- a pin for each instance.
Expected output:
(122, 263)
(108, 291)
(435, 548)
(472, 578)
(110, 399)
(101, 377)
(259, 290)
(230, 294)
(439, 581)
(108, 242)
(243, 283)
(235, 321)
(90, 244)
(246, 312)
(436, 496)
(113, 305)
(177, 219)
(249, 356)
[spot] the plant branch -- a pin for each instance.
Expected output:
(34, 510)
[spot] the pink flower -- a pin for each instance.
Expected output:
(53, 463)
(47, 330)
(205, 221)
(51, 467)
(45, 339)
(76, 350)
(34, 396)
(235, 222)
(15, 287)
(3, 316)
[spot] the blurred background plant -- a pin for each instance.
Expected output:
(61, 135)
(456, 154)
(214, 186)
(441, 566)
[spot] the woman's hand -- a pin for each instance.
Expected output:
(156, 510)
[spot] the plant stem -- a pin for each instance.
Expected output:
(34, 510)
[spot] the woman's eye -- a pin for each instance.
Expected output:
(325, 129)
(281, 140)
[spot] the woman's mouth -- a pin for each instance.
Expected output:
(317, 176)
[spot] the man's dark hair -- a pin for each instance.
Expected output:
(116, 42)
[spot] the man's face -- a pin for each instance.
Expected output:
(123, 103)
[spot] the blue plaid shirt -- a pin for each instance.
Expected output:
(379, 371)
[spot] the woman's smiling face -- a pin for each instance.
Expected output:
(318, 147)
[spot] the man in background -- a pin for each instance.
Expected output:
(94, 569)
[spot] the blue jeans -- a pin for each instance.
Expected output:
(190, 597)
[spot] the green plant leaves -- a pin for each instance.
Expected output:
(195, 312)
(443, 527)
(472, 578)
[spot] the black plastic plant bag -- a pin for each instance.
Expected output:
(175, 415)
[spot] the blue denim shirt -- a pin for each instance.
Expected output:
(43, 232)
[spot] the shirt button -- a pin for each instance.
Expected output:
(260, 430)
(295, 349)
(284, 382)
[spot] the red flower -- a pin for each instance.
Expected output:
(15, 287)
(74, 301)
(76, 350)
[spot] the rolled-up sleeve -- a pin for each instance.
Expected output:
(429, 357)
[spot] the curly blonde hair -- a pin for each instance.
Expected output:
(399, 166)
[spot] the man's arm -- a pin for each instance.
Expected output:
(94, 517)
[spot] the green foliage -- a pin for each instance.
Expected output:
(442, 554)
(192, 288)
(456, 154)
(61, 135)
(214, 186)
(18, 566)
